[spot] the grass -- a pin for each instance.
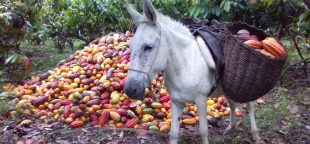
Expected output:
(46, 56)
(43, 57)
(293, 56)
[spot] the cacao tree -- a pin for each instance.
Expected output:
(15, 15)
(83, 19)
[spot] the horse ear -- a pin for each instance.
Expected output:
(149, 11)
(135, 16)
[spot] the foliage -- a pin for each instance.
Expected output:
(65, 21)
(14, 16)
(263, 13)
(174, 8)
(5, 97)
(83, 19)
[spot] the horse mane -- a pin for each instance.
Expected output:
(173, 24)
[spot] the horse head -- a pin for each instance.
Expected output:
(148, 54)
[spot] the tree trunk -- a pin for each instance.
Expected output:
(299, 53)
(60, 46)
(71, 43)
(307, 3)
(294, 44)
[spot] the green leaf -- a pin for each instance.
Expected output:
(206, 12)
(6, 95)
(197, 12)
(8, 59)
(227, 6)
(217, 11)
(222, 4)
(14, 59)
(193, 10)
(270, 2)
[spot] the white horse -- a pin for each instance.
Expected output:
(162, 44)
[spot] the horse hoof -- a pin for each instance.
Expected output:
(258, 140)
(227, 131)
(173, 142)
(256, 137)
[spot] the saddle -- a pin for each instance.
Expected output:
(200, 28)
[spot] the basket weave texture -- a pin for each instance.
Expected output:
(248, 74)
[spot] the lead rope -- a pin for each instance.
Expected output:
(154, 96)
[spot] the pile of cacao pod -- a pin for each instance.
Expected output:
(87, 89)
(269, 46)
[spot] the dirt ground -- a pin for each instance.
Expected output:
(284, 119)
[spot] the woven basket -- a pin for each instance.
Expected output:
(247, 74)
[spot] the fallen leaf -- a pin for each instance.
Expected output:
(84, 130)
(285, 122)
(260, 101)
(293, 109)
(305, 103)
(45, 127)
(278, 141)
(6, 128)
(142, 135)
(282, 132)
(276, 105)
(25, 123)
(62, 142)
(121, 135)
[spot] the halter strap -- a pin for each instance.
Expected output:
(154, 97)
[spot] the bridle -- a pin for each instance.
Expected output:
(157, 44)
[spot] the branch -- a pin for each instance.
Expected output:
(290, 66)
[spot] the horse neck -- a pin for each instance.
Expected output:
(185, 58)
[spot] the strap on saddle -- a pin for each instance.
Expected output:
(211, 32)
(216, 52)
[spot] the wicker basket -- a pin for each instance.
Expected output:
(247, 74)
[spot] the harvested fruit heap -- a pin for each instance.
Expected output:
(87, 88)
(269, 46)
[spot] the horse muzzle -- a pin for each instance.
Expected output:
(134, 88)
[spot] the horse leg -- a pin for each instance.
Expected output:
(232, 124)
(203, 123)
(176, 109)
(254, 130)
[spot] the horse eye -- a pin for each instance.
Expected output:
(147, 48)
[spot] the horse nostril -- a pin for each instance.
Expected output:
(131, 91)
(134, 91)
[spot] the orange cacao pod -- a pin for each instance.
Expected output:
(273, 47)
(131, 123)
(264, 52)
(115, 116)
(191, 121)
(104, 118)
(254, 44)
(77, 123)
